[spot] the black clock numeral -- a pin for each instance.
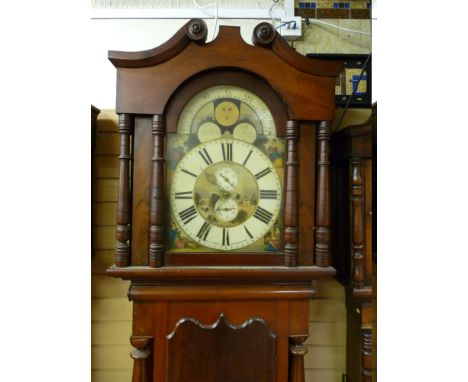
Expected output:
(225, 236)
(206, 157)
(263, 173)
(204, 231)
(263, 215)
(188, 214)
(189, 173)
(268, 194)
(183, 195)
(247, 157)
(248, 232)
(227, 151)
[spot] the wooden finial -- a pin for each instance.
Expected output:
(263, 34)
(197, 30)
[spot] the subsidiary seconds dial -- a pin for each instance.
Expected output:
(225, 194)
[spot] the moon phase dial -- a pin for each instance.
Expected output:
(225, 194)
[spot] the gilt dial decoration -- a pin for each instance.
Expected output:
(225, 170)
(225, 194)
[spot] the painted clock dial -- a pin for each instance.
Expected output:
(225, 172)
(226, 194)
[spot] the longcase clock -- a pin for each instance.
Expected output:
(223, 217)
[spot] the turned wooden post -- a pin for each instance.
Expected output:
(322, 208)
(297, 351)
(156, 247)
(141, 358)
(290, 205)
(366, 354)
(357, 223)
(122, 233)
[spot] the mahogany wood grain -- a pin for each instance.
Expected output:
(122, 252)
(221, 351)
(176, 295)
(307, 88)
(157, 208)
(222, 275)
(142, 176)
(290, 198)
(306, 192)
(323, 198)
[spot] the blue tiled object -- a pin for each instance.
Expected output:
(313, 5)
(336, 5)
(369, 5)
(346, 5)
(301, 5)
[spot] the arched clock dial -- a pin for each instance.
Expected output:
(225, 194)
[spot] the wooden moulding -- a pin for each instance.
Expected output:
(220, 293)
(122, 233)
(224, 275)
(157, 213)
(322, 208)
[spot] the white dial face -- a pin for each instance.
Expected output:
(225, 194)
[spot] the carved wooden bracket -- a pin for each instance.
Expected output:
(141, 357)
(297, 351)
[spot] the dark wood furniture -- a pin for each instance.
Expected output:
(354, 153)
(212, 315)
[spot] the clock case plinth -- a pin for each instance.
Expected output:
(231, 294)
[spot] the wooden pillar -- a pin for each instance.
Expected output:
(122, 233)
(322, 208)
(141, 359)
(156, 246)
(297, 351)
(357, 223)
(291, 187)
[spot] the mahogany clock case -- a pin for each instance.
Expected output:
(249, 301)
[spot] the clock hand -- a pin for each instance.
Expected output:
(226, 179)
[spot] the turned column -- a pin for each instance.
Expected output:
(156, 246)
(322, 208)
(297, 351)
(290, 206)
(141, 358)
(366, 354)
(122, 233)
(357, 223)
